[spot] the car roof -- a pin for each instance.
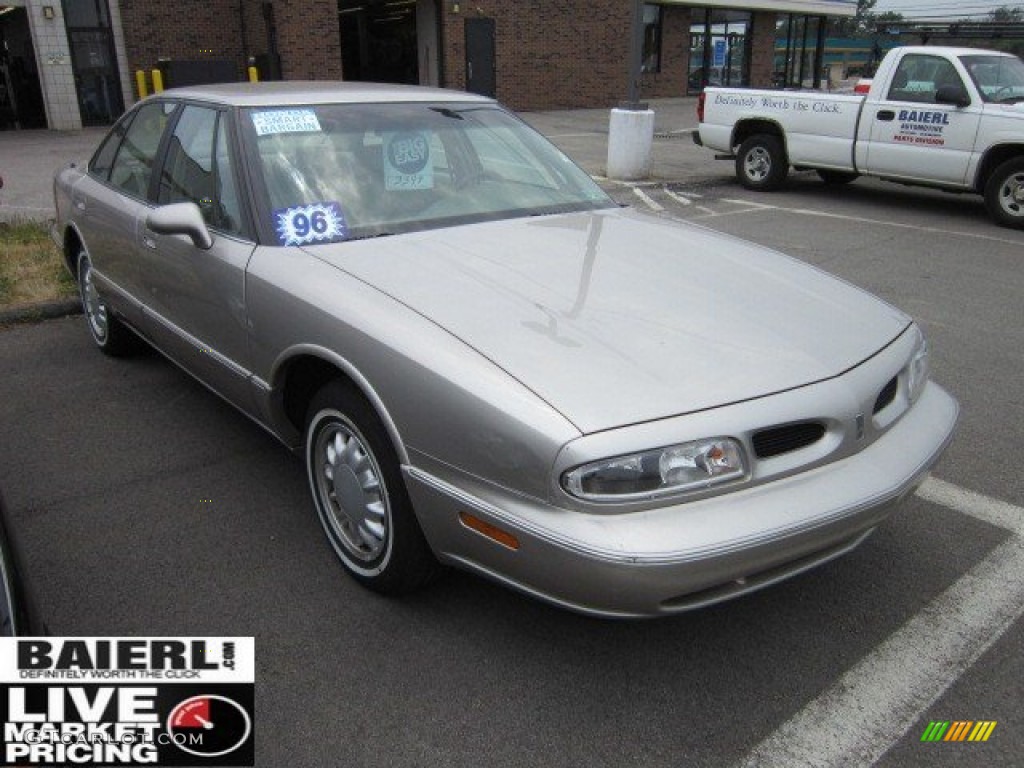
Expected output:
(295, 92)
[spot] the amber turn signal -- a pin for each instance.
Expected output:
(492, 532)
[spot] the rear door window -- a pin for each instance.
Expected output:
(132, 168)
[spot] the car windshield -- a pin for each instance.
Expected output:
(350, 171)
(1000, 79)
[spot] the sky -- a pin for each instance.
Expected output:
(926, 10)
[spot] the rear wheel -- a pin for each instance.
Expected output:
(761, 163)
(360, 498)
(111, 335)
(836, 177)
(1004, 193)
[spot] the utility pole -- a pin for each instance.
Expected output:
(631, 127)
(636, 52)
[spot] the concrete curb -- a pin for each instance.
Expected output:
(42, 310)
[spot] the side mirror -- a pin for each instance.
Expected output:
(952, 94)
(181, 219)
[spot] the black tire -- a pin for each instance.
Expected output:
(836, 177)
(359, 495)
(761, 163)
(112, 336)
(1004, 194)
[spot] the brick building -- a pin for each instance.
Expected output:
(73, 62)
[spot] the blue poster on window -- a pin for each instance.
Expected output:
(719, 53)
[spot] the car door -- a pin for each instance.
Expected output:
(913, 137)
(110, 199)
(195, 298)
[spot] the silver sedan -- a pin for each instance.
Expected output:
(487, 363)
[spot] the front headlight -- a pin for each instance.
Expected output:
(664, 471)
(918, 368)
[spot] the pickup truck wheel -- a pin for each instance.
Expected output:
(109, 334)
(836, 177)
(761, 163)
(1004, 193)
(359, 494)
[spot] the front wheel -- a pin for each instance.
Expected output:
(111, 335)
(761, 163)
(1004, 194)
(360, 498)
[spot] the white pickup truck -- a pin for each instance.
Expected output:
(951, 118)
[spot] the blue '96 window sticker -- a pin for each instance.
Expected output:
(313, 223)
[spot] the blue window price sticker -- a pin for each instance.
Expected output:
(313, 223)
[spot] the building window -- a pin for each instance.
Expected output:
(720, 46)
(799, 51)
(652, 38)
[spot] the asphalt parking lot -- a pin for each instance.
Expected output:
(144, 505)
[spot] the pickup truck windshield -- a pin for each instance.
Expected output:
(369, 170)
(1000, 79)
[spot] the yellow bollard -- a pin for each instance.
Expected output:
(158, 81)
(254, 75)
(140, 83)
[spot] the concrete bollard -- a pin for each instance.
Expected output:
(630, 139)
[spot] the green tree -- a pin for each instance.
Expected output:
(863, 23)
(1007, 15)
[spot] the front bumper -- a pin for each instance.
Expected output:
(677, 559)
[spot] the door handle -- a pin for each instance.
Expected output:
(80, 205)
(885, 115)
(149, 242)
(469, 65)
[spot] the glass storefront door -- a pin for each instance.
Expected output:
(719, 48)
(799, 51)
(93, 61)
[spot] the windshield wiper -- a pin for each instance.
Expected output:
(447, 113)
(368, 237)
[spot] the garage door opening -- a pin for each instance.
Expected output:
(389, 41)
(21, 98)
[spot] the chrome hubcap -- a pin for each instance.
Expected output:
(758, 163)
(95, 309)
(1011, 196)
(351, 493)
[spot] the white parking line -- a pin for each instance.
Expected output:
(677, 197)
(870, 708)
(749, 203)
(651, 203)
(710, 214)
(753, 207)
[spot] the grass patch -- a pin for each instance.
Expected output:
(31, 266)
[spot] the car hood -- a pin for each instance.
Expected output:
(615, 317)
